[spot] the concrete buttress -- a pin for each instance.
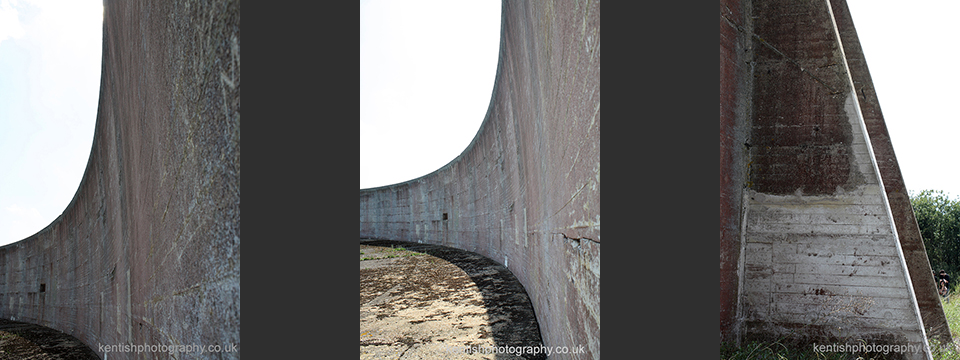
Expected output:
(818, 239)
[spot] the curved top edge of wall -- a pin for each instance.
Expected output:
(483, 124)
(86, 169)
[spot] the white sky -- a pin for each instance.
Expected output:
(912, 51)
(50, 55)
(426, 77)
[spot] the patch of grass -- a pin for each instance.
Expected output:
(951, 308)
(778, 351)
(943, 352)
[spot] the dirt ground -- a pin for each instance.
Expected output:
(420, 301)
(28, 341)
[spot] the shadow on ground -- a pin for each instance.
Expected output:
(429, 301)
(19, 340)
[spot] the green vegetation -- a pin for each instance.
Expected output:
(951, 308)
(776, 351)
(392, 253)
(939, 219)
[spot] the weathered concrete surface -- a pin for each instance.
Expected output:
(148, 251)
(827, 238)
(526, 191)
(821, 253)
(735, 85)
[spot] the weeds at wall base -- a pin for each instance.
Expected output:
(779, 351)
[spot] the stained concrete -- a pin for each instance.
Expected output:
(148, 250)
(818, 241)
(526, 191)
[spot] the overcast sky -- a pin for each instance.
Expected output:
(912, 51)
(426, 77)
(427, 68)
(50, 55)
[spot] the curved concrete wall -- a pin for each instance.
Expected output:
(526, 191)
(148, 251)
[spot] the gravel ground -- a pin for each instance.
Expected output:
(420, 301)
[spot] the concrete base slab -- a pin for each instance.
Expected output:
(420, 301)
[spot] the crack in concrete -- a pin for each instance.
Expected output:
(404, 351)
(577, 239)
(384, 297)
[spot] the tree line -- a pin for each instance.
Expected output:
(939, 218)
